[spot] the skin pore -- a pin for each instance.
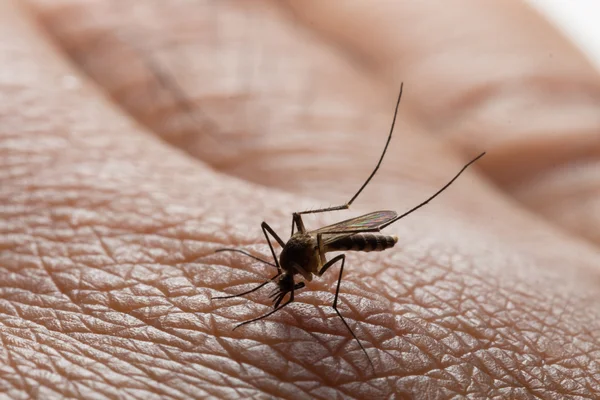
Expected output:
(114, 199)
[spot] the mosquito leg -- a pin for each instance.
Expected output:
(327, 209)
(257, 287)
(247, 291)
(337, 293)
(266, 230)
(297, 221)
(246, 254)
(349, 203)
(291, 299)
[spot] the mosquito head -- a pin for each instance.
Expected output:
(285, 284)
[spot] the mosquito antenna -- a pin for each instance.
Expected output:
(246, 254)
(384, 149)
(435, 194)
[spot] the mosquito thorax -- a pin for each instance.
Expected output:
(300, 250)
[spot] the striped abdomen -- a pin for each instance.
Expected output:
(363, 242)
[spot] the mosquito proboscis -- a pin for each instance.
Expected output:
(304, 252)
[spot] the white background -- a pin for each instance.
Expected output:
(578, 19)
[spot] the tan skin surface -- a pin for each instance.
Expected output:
(107, 234)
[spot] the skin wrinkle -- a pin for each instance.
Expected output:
(11, 362)
(56, 368)
(531, 315)
(66, 293)
(44, 363)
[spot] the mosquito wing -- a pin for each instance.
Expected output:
(351, 226)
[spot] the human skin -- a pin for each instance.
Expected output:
(107, 236)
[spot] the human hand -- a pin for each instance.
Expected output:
(108, 235)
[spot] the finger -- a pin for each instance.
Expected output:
(491, 75)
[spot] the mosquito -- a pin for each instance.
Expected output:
(304, 253)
